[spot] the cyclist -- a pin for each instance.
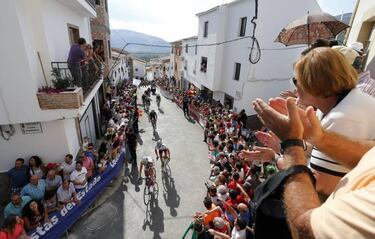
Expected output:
(162, 150)
(158, 100)
(148, 163)
(153, 117)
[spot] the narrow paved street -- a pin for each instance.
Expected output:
(180, 195)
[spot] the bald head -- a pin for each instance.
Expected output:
(34, 180)
(242, 208)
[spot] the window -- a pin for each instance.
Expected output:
(237, 71)
(136, 69)
(97, 2)
(243, 22)
(205, 30)
(187, 48)
(73, 32)
(196, 49)
(204, 64)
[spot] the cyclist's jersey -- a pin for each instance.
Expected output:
(161, 147)
(147, 100)
(153, 115)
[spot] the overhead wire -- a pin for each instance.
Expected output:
(255, 51)
(210, 44)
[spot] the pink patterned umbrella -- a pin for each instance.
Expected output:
(307, 29)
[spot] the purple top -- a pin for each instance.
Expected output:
(76, 54)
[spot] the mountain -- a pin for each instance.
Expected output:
(118, 37)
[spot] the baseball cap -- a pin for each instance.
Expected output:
(357, 46)
(349, 53)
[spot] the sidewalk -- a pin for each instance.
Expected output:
(104, 196)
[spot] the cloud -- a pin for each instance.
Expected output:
(168, 19)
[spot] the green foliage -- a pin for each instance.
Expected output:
(61, 82)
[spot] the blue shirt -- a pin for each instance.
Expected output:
(35, 192)
(19, 177)
(76, 54)
(11, 209)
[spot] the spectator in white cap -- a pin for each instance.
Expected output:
(358, 47)
(365, 82)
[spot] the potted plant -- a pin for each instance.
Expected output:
(62, 95)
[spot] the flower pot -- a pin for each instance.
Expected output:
(72, 99)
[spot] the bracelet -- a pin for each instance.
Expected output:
(292, 142)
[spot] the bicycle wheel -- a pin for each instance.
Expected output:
(155, 190)
(167, 168)
(146, 194)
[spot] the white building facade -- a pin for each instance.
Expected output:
(363, 30)
(44, 28)
(224, 70)
(138, 68)
(120, 68)
(189, 56)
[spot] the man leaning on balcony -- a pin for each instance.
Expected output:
(76, 56)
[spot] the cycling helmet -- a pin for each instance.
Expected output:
(160, 145)
(147, 159)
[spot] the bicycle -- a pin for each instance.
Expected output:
(165, 168)
(153, 123)
(158, 103)
(147, 107)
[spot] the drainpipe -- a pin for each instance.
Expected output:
(79, 133)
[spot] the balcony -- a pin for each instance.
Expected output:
(91, 3)
(85, 76)
(84, 7)
(77, 86)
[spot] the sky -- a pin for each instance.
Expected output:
(164, 18)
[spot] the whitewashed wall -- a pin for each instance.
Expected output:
(275, 67)
(51, 145)
(31, 27)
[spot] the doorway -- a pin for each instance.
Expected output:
(228, 101)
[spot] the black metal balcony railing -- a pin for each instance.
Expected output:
(91, 3)
(85, 76)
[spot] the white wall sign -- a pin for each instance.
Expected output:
(32, 128)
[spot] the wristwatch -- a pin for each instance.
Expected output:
(292, 142)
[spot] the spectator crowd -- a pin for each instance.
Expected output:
(309, 172)
(37, 188)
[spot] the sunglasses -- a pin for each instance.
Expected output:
(294, 80)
